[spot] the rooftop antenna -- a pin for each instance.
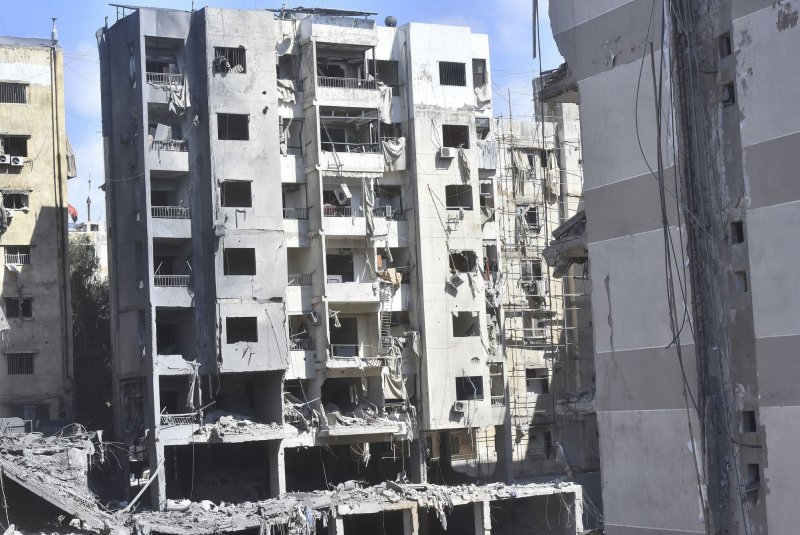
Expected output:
(54, 32)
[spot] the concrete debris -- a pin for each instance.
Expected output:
(582, 403)
(218, 424)
(297, 513)
(569, 245)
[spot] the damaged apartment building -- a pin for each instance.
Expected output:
(306, 289)
(35, 163)
(689, 125)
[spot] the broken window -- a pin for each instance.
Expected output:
(482, 127)
(737, 232)
(236, 194)
(227, 59)
(15, 201)
(533, 328)
(290, 135)
(349, 130)
(740, 281)
(343, 336)
(17, 307)
(387, 73)
(478, 72)
(496, 383)
(340, 268)
(487, 201)
(20, 363)
(239, 261)
(466, 324)
(455, 135)
(14, 145)
(463, 261)
(725, 48)
(13, 93)
(242, 329)
(18, 254)
(531, 215)
(452, 73)
(233, 126)
(729, 94)
(469, 388)
(299, 336)
(540, 443)
(537, 380)
(458, 197)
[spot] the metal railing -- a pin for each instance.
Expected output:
(346, 83)
(179, 419)
(389, 212)
(331, 210)
(18, 258)
(358, 148)
(296, 279)
(172, 281)
(171, 212)
(172, 145)
(498, 401)
(164, 78)
(295, 213)
(344, 350)
(301, 344)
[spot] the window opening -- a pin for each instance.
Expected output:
(452, 73)
(469, 388)
(244, 329)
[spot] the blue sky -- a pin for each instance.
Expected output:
(508, 23)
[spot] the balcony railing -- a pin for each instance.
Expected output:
(343, 146)
(172, 145)
(346, 83)
(331, 210)
(171, 212)
(295, 213)
(18, 258)
(299, 280)
(179, 419)
(172, 281)
(344, 350)
(164, 78)
(299, 343)
(498, 401)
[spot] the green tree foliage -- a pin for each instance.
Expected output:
(91, 336)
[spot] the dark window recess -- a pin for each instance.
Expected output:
(466, 324)
(232, 126)
(15, 145)
(19, 307)
(455, 135)
(749, 422)
(239, 261)
(463, 261)
(15, 201)
(20, 363)
(241, 330)
(729, 94)
(236, 194)
(537, 380)
(531, 215)
(452, 73)
(458, 196)
(387, 73)
(228, 59)
(725, 47)
(737, 232)
(478, 72)
(482, 127)
(753, 476)
(469, 388)
(13, 93)
(541, 442)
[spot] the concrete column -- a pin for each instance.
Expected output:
(158, 489)
(483, 518)
(336, 526)
(411, 522)
(277, 469)
(505, 448)
(418, 469)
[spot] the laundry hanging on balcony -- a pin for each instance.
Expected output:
(482, 98)
(286, 91)
(385, 108)
(393, 151)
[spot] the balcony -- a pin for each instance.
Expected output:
(161, 84)
(295, 213)
(344, 350)
(171, 281)
(18, 259)
(299, 280)
(171, 221)
(168, 155)
(171, 212)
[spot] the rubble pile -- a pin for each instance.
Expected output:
(218, 424)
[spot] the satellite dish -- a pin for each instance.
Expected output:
(283, 47)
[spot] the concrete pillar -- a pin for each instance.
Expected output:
(577, 510)
(158, 489)
(417, 469)
(505, 449)
(483, 518)
(411, 521)
(277, 469)
(336, 526)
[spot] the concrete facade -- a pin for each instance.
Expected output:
(298, 257)
(743, 119)
(36, 161)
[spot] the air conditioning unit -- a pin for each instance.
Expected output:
(342, 193)
(447, 152)
(312, 318)
(17, 161)
(5, 159)
(460, 407)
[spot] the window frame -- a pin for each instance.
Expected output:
(449, 74)
(19, 362)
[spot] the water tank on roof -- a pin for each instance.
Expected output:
(390, 21)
